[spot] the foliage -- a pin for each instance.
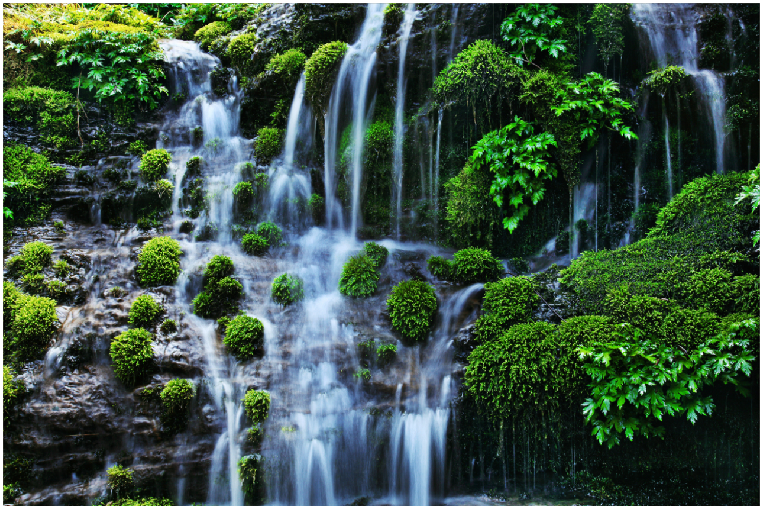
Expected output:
(143, 501)
(243, 192)
(34, 322)
(176, 396)
(168, 326)
(254, 244)
(137, 148)
(376, 252)
(607, 25)
(194, 166)
(378, 141)
(386, 353)
(412, 305)
(287, 64)
(364, 374)
(240, 51)
(664, 79)
(507, 302)
(120, 480)
(154, 164)
(208, 33)
(644, 219)
(707, 288)
(32, 177)
(144, 311)
(159, 262)
(268, 143)
(244, 337)
(13, 389)
(637, 381)
(287, 289)
(50, 111)
(521, 176)
(316, 206)
(270, 232)
(221, 292)
(473, 265)
(473, 220)
(359, 276)
(320, 72)
(131, 354)
(752, 191)
(515, 372)
(594, 105)
(746, 293)
(531, 27)
(35, 256)
(257, 404)
(440, 267)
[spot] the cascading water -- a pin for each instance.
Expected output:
(671, 30)
(400, 100)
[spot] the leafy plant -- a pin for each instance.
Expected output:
(120, 480)
(240, 51)
(662, 80)
(257, 404)
(176, 396)
(637, 381)
(287, 289)
(519, 160)
(386, 353)
(268, 143)
(33, 321)
(159, 262)
(472, 265)
(376, 252)
(607, 25)
(221, 292)
(287, 64)
(208, 33)
(131, 354)
(359, 276)
(62, 268)
(144, 311)
(507, 302)
(363, 374)
(154, 164)
(320, 72)
(137, 148)
(243, 192)
(13, 389)
(254, 244)
(412, 305)
(168, 326)
(244, 337)
(440, 268)
(530, 28)
(32, 177)
(270, 232)
(752, 191)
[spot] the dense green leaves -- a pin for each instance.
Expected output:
(159, 262)
(131, 354)
(320, 71)
(412, 305)
(530, 28)
(507, 302)
(359, 276)
(244, 337)
(607, 24)
(287, 289)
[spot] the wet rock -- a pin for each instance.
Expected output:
(414, 272)
(78, 258)
(464, 343)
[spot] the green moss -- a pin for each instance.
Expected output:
(240, 51)
(206, 35)
(137, 148)
(645, 312)
(35, 257)
(507, 302)
(316, 206)
(159, 262)
(168, 326)
(50, 111)
(120, 480)
(270, 232)
(363, 374)
(268, 143)
(440, 268)
(386, 354)
(34, 178)
(13, 389)
(412, 306)
(320, 72)
(34, 324)
(131, 355)
(244, 337)
(376, 252)
(472, 219)
(243, 193)
(287, 64)
(176, 396)
(747, 294)
(194, 166)
(254, 244)
(144, 312)
(221, 292)
(287, 289)
(688, 328)
(217, 268)
(154, 164)
(359, 276)
(257, 404)
(472, 265)
(707, 288)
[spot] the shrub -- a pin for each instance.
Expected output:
(363, 374)
(144, 311)
(34, 177)
(287, 289)
(268, 143)
(34, 323)
(62, 268)
(208, 33)
(13, 389)
(376, 252)
(244, 337)
(240, 51)
(220, 290)
(243, 192)
(176, 396)
(131, 354)
(34, 283)
(320, 73)
(316, 206)
(56, 288)
(35, 256)
(257, 404)
(10, 297)
(218, 268)
(516, 373)
(270, 232)
(440, 268)
(386, 353)
(359, 276)
(288, 63)
(159, 262)
(507, 302)
(254, 244)
(472, 265)
(186, 227)
(194, 166)
(120, 480)
(412, 305)
(143, 502)
(707, 288)
(137, 148)
(747, 295)
(154, 164)
(168, 326)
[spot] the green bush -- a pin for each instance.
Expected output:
(13, 389)
(254, 244)
(10, 296)
(364, 374)
(747, 294)
(257, 404)
(268, 143)
(320, 73)
(35, 256)
(217, 268)
(359, 276)
(50, 111)
(143, 502)
(645, 312)
(376, 252)
(194, 166)
(137, 148)
(56, 289)
(34, 178)
(154, 164)
(221, 292)
(144, 312)
(518, 372)
(472, 265)
(386, 353)
(270, 232)
(176, 396)
(120, 480)
(287, 289)
(472, 219)
(507, 302)
(168, 326)
(62, 268)
(412, 305)
(208, 33)
(244, 337)
(131, 354)
(243, 192)
(644, 219)
(240, 51)
(287, 64)
(440, 268)
(707, 288)
(159, 262)
(688, 328)
(34, 323)
(316, 206)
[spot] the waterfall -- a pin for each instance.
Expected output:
(671, 30)
(454, 16)
(400, 99)
(297, 111)
(669, 173)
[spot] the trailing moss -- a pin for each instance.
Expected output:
(359, 276)
(320, 72)
(412, 306)
(131, 355)
(159, 262)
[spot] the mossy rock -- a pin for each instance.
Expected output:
(154, 164)
(159, 262)
(244, 337)
(320, 72)
(359, 276)
(131, 355)
(412, 306)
